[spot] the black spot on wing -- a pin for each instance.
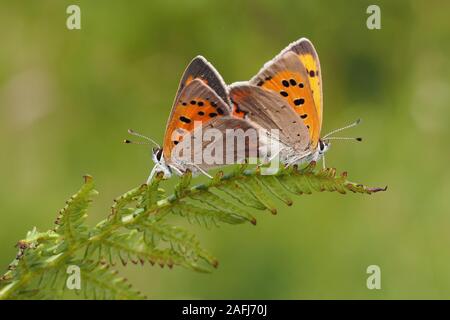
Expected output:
(185, 120)
(299, 102)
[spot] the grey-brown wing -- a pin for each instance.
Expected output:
(220, 142)
(269, 111)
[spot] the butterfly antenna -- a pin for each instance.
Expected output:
(354, 124)
(134, 133)
(359, 139)
(135, 142)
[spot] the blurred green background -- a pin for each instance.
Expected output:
(68, 97)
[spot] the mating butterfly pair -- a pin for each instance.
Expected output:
(285, 95)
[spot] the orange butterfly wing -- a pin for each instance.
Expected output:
(310, 59)
(295, 75)
(201, 96)
(200, 68)
(196, 102)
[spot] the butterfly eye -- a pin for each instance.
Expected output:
(158, 153)
(321, 145)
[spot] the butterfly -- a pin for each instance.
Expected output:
(201, 104)
(286, 94)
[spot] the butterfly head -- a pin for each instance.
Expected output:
(157, 155)
(160, 163)
(324, 145)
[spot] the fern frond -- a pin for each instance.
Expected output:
(70, 221)
(138, 229)
(102, 282)
(184, 243)
(206, 216)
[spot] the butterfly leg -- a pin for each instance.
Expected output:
(276, 154)
(201, 170)
(323, 162)
(293, 160)
(152, 173)
(178, 171)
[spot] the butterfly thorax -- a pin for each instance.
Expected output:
(291, 155)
